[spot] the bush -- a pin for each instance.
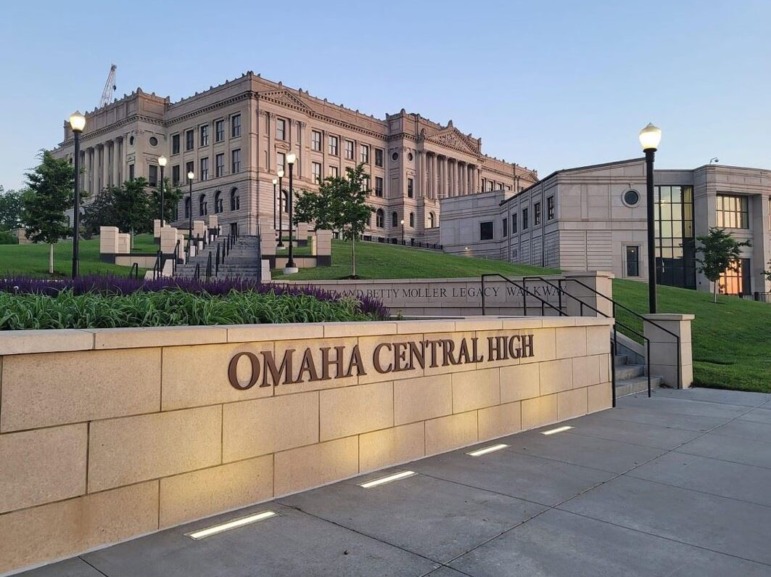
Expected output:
(107, 302)
(7, 237)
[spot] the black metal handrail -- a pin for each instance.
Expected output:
(197, 272)
(158, 265)
(634, 314)
(209, 267)
(134, 271)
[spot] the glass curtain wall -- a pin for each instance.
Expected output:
(675, 242)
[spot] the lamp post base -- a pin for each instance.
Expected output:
(291, 270)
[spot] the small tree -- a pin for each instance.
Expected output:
(51, 187)
(720, 252)
(131, 205)
(12, 208)
(171, 197)
(339, 205)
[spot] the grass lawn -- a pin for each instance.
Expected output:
(378, 260)
(32, 259)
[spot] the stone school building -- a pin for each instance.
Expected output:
(594, 218)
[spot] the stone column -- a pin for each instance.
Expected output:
(664, 351)
(270, 128)
(302, 158)
(601, 282)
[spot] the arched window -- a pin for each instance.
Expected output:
(218, 202)
(431, 220)
(379, 218)
(412, 220)
(394, 218)
(235, 200)
(284, 201)
(187, 207)
(202, 208)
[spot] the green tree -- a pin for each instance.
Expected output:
(719, 252)
(132, 206)
(171, 198)
(339, 205)
(51, 187)
(11, 208)
(100, 212)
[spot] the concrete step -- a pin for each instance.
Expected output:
(635, 385)
(625, 372)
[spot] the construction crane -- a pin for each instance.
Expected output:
(109, 87)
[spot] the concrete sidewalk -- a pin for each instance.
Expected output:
(675, 485)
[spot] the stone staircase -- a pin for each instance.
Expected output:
(242, 261)
(631, 378)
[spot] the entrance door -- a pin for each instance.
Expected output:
(633, 260)
(233, 229)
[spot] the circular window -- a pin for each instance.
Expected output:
(395, 156)
(153, 141)
(631, 198)
(409, 156)
(131, 140)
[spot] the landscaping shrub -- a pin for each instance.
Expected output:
(7, 237)
(107, 302)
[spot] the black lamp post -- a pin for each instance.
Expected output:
(190, 177)
(77, 123)
(162, 163)
(650, 136)
(275, 182)
(280, 208)
(290, 267)
(402, 223)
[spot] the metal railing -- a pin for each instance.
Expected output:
(134, 271)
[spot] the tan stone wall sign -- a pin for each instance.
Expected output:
(112, 433)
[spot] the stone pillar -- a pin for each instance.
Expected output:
(105, 167)
(601, 282)
(303, 159)
(664, 351)
(270, 128)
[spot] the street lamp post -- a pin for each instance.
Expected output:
(190, 177)
(162, 163)
(650, 136)
(402, 223)
(280, 208)
(290, 266)
(77, 123)
(275, 182)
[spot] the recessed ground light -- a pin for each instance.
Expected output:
(557, 430)
(484, 451)
(383, 480)
(234, 524)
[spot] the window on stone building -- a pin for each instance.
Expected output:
(394, 219)
(152, 177)
(364, 153)
(235, 199)
(536, 214)
(175, 175)
(486, 230)
(431, 220)
(219, 131)
(632, 260)
(505, 227)
(218, 203)
(235, 161)
(316, 171)
(204, 169)
(410, 188)
(378, 157)
(281, 162)
(333, 145)
(378, 186)
(202, 205)
(189, 139)
(514, 223)
(316, 141)
(131, 172)
(412, 220)
(204, 136)
(219, 165)
(550, 208)
(187, 207)
(175, 143)
(280, 129)
(732, 211)
(380, 218)
(735, 280)
(349, 149)
(525, 219)
(235, 126)
(365, 182)
(334, 172)
(189, 167)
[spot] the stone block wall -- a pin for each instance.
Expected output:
(108, 434)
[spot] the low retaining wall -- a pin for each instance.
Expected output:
(110, 434)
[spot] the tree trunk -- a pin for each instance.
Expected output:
(714, 291)
(353, 257)
(50, 259)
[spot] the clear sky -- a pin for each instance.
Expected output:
(546, 84)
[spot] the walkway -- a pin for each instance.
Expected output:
(676, 485)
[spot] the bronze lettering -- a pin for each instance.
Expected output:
(463, 354)
(417, 351)
(496, 348)
(432, 345)
(400, 357)
(254, 365)
(355, 361)
(527, 346)
(475, 350)
(308, 365)
(326, 361)
(276, 373)
(376, 358)
(448, 346)
(515, 351)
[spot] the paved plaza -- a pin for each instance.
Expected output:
(674, 485)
